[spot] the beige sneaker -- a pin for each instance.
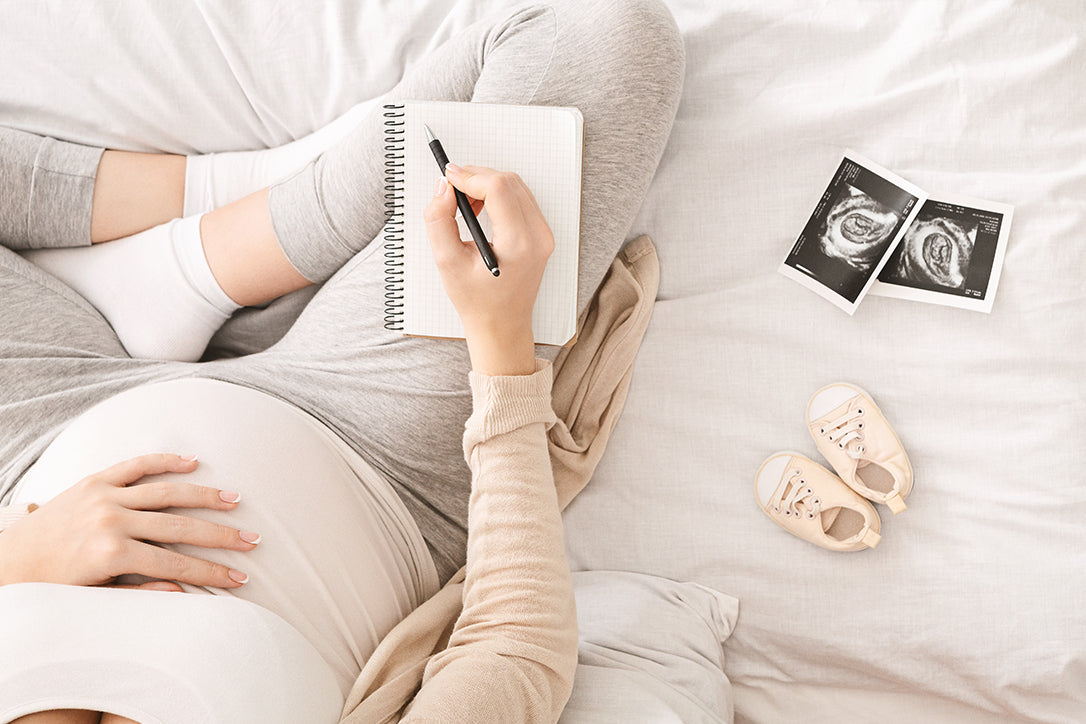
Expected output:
(811, 502)
(852, 434)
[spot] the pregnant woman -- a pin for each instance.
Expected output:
(330, 495)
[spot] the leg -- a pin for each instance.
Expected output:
(65, 716)
(72, 716)
(75, 192)
(47, 187)
(58, 356)
(621, 63)
(401, 401)
(135, 191)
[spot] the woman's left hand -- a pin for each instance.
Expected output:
(105, 526)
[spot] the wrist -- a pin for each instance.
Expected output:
(502, 351)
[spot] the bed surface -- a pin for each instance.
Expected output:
(971, 608)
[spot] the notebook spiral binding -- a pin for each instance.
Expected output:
(394, 216)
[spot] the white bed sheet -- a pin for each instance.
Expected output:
(971, 607)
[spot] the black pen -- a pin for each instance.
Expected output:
(465, 207)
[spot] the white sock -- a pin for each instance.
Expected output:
(155, 288)
(214, 180)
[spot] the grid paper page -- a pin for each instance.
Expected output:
(541, 144)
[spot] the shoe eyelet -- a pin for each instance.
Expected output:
(841, 445)
(821, 431)
(860, 425)
(859, 410)
(817, 501)
(809, 491)
(810, 516)
(830, 437)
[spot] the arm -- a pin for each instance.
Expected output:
(512, 652)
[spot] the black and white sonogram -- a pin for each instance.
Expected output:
(951, 254)
(857, 229)
(935, 251)
(861, 216)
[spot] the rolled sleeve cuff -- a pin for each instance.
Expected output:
(504, 403)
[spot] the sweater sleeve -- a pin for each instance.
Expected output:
(513, 650)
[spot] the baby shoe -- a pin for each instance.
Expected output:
(811, 502)
(852, 434)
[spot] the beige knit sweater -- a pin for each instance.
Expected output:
(499, 642)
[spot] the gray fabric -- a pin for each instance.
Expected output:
(46, 186)
(401, 402)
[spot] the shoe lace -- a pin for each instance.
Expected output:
(788, 497)
(845, 431)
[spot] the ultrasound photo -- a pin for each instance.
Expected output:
(951, 254)
(857, 229)
(862, 214)
(935, 251)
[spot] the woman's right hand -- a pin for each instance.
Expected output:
(102, 527)
(496, 311)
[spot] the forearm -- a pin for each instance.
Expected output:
(513, 650)
(9, 514)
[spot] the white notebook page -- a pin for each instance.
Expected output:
(541, 144)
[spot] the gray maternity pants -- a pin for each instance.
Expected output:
(401, 402)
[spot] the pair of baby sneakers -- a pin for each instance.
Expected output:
(830, 510)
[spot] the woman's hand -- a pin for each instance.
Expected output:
(102, 527)
(496, 311)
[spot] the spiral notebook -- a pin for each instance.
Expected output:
(543, 144)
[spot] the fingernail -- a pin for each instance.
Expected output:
(249, 537)
(228, 497)
(188, 458)
(237, 576)
(440, 188)
(452, 168)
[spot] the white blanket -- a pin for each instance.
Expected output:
(971, 607)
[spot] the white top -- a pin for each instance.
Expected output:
(340, 563)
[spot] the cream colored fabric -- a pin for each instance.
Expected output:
(814, 504)
(857, 441)
(511, 658)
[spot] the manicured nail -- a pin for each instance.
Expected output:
(188, 458)
(440, 188)
(237, 576)
(229, 497)
(249, 537)
(452, 168)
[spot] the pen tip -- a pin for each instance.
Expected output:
(496, 272)
(429, 133)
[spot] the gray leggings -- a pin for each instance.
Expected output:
(401, 402)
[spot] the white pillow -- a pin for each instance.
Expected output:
(651, 650)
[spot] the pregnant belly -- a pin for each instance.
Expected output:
(341, 560)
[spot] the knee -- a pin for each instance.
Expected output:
(639, 37)
(642, 26)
